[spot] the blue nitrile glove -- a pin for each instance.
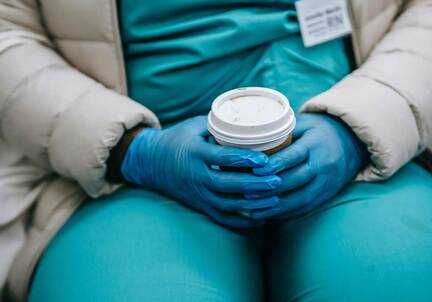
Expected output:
(177, 161)
(324, 158)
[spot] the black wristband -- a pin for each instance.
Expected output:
(114, 162)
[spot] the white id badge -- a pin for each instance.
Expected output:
(322, 20)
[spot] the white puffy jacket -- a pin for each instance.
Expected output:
(63, 107)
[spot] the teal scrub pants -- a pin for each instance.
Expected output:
(371, 243)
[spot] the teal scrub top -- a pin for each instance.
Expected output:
(180, 55)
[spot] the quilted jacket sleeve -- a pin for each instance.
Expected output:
(388, 100)
(61, 119)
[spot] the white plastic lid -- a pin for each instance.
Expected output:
(250, 116)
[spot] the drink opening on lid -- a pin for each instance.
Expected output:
(250, 109)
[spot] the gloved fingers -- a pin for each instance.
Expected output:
(291, 179)
(319, 196)
(233, 220)
(198, 125)
(236, 182)
(290, 202)
(302, 125)
(231, 157)
(284, 159)
(304, 209)
(237, 204)
(298, 212)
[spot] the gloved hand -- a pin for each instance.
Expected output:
(324, 158)
(177, 161)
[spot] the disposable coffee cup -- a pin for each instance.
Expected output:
(254, 118)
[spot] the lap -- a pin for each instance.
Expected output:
(137, 245)
(372, 243)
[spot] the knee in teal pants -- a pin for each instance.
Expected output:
(372, 243)
(137, 245)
